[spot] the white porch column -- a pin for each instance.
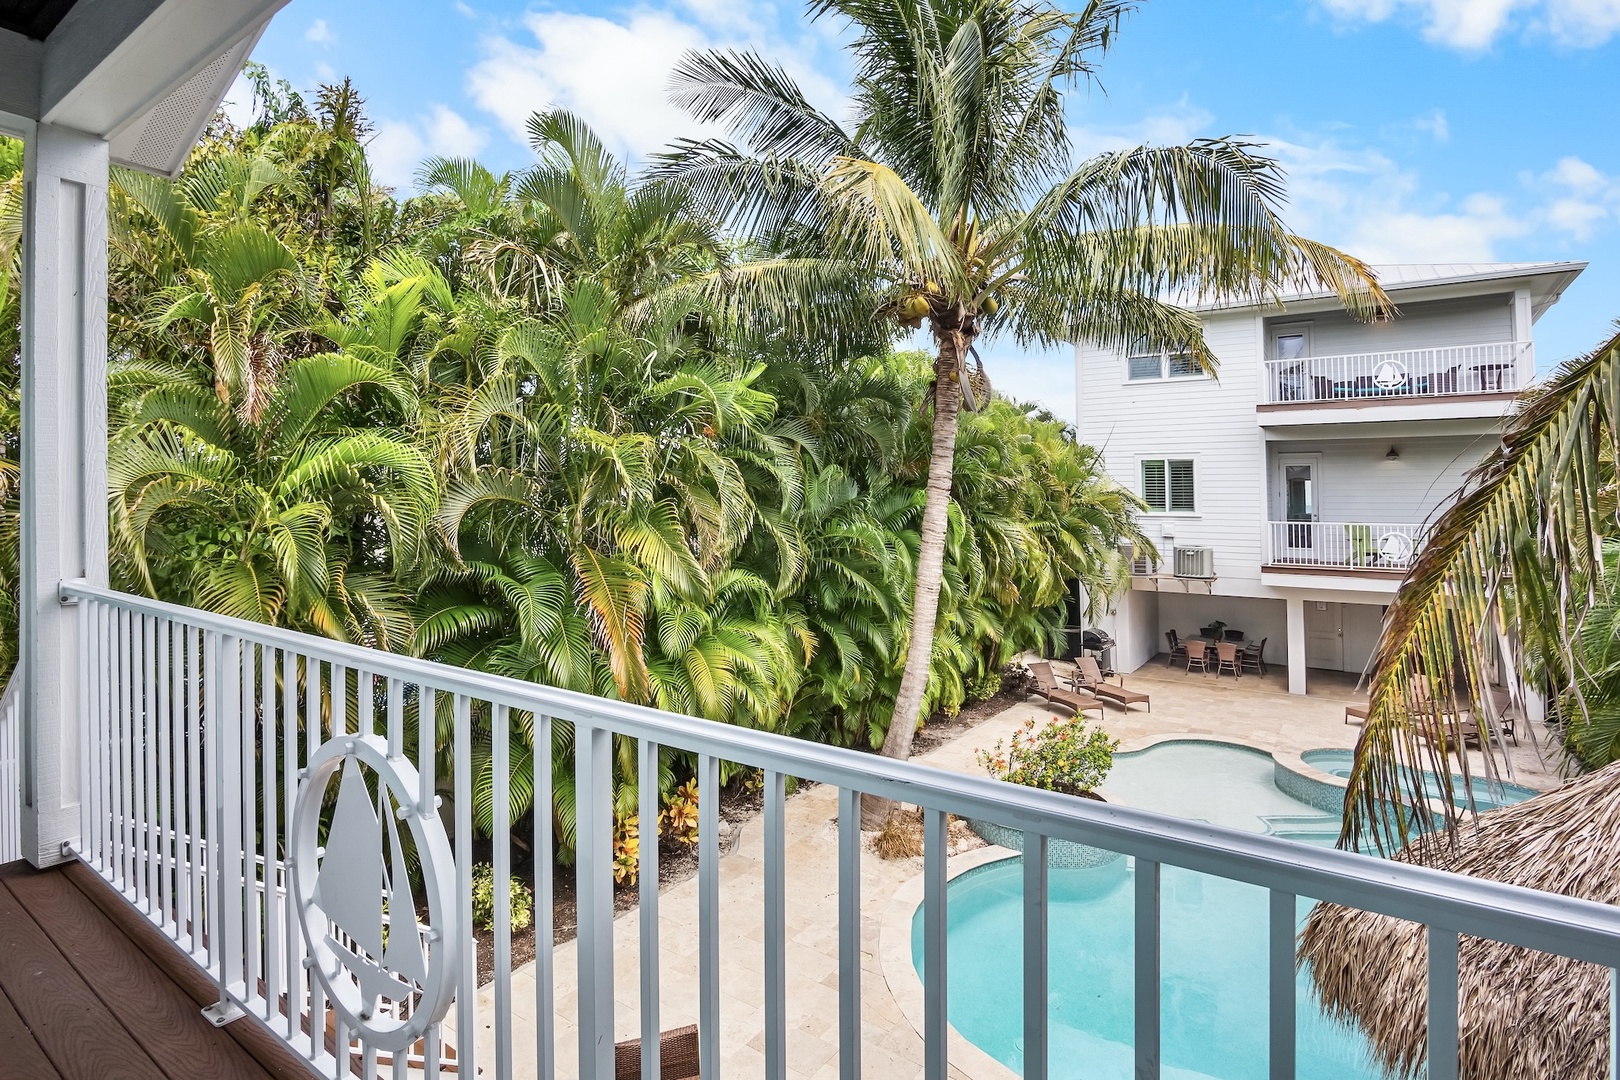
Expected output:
(1296, 645)
(64, 462)
(1523, 319)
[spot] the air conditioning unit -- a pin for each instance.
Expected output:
(1195, 562)
(1142, 566)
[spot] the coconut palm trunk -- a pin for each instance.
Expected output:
(931, 545)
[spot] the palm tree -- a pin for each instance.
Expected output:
(951, 199)
(281, 521)
(1516, 584)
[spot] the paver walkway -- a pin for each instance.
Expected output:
(1255, 711)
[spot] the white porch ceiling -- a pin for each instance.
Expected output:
(144, 74)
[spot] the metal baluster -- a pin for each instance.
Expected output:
(1283, 921)
(647, 802)
(849, 934)
(91, 649)
(201, 825)
(544, 918)
(1442, 1003)
(500, 740)
(149, 737)
(1036, 1052)
(272, 898)
(936, 1025)
(775, 928)
(313, 732)
(168, 829)
(1147, 969)
(467, 993)
(593, 875)
(126, 741)
(289, 792)
(230, 878)
(339, 690)
(1614, 1024)
(709, 917)
(365, 710)
(214, 806)
(245, 732)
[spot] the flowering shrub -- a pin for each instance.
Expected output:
(680, 816)
(626, 849)
(1062, 755)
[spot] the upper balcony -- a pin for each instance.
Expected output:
(1455, 381)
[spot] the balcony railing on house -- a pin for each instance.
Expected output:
(1336, 545)
(258, 794)
(1374, 377)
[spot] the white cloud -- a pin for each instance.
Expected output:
(1583, 199)
(319, 33)
(1476, 24)
(1435, 124)
(399, 146)
(615, 72)
(1180, 123)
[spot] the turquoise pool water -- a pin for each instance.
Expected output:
(1487, 796)
(1213, 935)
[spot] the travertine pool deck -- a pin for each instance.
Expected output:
(1254, 711)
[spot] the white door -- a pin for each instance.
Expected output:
(1291, 376)
(1298, 508)
(1324, 635)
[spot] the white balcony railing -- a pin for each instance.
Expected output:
(205, 736)
(1405, 373)
(1343, 545)
(11, 771)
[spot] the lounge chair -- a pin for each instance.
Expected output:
(1507, 722)
(1178, 648)
(1046, 686)
(677, 1056)
(1089, 677)
(1198, 653)
(1356, 713)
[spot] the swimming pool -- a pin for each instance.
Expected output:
(1487, 796)
(1214, 935)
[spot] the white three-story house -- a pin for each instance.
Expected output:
(1288, 493)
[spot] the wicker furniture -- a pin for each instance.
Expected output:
(677, 1056)
(1252, 657)
(1178, 648)
(1226, 658)
(1197, 654)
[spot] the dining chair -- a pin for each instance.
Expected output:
(1253, 657)
(1226, 658)
(1197, 653)
(1178, 648)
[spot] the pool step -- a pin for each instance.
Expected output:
(1306, 828)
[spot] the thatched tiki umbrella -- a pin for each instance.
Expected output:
(1525, 1015)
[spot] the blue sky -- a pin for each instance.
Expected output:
(1413, 130)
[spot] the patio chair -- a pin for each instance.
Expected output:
(1508, 716)
(1233, 635)
(1089, 677)
(1178, 648)
(1226, 659)
(677, 1056)
(1046, 686)
(1252, 657)
(1197, 653)
(1356, 714)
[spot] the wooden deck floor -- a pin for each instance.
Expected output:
(90, 991)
